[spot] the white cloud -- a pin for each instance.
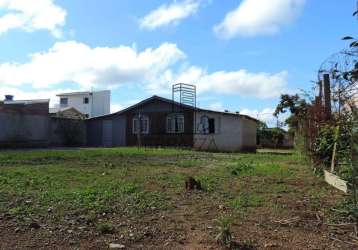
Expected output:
(154, 69)
(241, 82)
(266, 115)
(170, 14)
(259, 17)
(90, 67)
(217, 106)
(116, 107)
(31, 15)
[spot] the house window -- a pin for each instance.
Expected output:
(207, 125)
(63, 101)
(175, 123)
(144, 125)
(85, 100)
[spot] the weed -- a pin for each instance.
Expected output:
(209, 183)
(224, 236)
(245, 201)
(241, 168)
(105, 228)
(189, 163)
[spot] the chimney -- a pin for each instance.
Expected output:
(9, 97)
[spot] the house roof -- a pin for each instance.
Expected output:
(55, 110)
(80, 93)
(75, 93)
(27, 102)
(155, 97)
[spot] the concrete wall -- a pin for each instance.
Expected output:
(18, 130)
(249, 131)
(74, 128)
(23, 130)
(232, 133)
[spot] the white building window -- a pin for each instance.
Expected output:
(63, 101)
(175, 123)
(86, 100)
(144, 125)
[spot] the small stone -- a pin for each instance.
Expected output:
(209, 227)
(131, 235)
(72, 242)
(70, 231)
(116, 246)
(17, 230)
(270, 245)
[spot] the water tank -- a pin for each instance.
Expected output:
(9, 97)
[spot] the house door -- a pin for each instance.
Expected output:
(107, 133)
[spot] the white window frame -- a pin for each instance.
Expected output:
(173, 120)
(144, 120)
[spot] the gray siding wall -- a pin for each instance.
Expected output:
(119, 131)
(23, 129)
(95, 131)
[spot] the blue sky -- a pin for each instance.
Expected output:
(241, 54)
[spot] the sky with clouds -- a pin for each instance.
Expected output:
(241, 54)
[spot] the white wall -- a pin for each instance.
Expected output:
(76, 101)
(101, 103)
(232, 133)
(98, 105)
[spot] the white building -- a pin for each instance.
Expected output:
(90, 103)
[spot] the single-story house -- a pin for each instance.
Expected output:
(158, 121)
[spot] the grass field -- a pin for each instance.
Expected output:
(89, 198)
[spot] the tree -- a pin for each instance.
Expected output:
(297, 107)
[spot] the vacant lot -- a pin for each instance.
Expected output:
(89, 198)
